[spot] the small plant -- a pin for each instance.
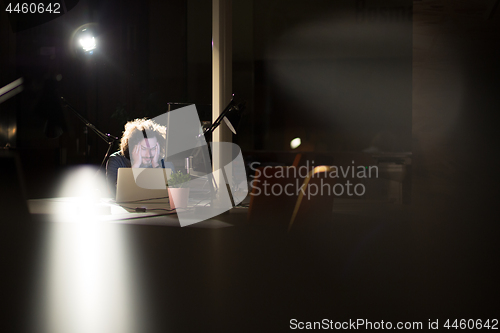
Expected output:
(178, 180)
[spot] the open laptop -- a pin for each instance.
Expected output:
(147, 185)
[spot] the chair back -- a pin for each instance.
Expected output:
(273, 195)
(315, 200)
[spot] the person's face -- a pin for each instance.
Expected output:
(148, 150)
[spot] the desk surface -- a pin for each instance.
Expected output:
(71, 209)
(143, 277)
(133, 277)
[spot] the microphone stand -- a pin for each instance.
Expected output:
(108, 138)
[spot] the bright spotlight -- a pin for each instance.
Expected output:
(84, 39)
(295, 143)
(88, 43)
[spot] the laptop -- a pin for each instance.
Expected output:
(146, 185)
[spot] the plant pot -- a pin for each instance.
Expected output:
(178, 197)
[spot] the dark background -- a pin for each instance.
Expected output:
(343, 75)
(336, 74)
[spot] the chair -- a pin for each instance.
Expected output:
(296, 160)
(317, 208)
(273, 195)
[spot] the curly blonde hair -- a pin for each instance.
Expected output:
(134, 133)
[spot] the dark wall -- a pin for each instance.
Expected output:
(456, 79)
(199, 52)
(337, 74)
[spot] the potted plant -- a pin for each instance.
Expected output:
(178, 192)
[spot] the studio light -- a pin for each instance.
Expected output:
(88, 43)
(84, 39)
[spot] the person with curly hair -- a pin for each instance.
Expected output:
(141, 146)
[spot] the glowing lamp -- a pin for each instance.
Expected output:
(295, 143)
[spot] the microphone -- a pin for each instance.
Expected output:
(233, 117)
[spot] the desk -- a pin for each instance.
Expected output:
(95, 277)
(71, 209)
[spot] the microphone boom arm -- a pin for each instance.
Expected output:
(108, 138)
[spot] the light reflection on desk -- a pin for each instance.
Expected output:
(89, 281)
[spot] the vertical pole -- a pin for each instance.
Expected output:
(221, 80)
